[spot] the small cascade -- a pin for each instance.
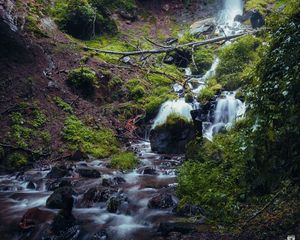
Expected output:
(227, 111)
(179, 107)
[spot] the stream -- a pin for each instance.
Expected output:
(119, 205)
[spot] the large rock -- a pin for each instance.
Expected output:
(256, 18)
(88, 172)
(172, 136)
(161, 201)
(205, 26)
(58, 172)
(35, 216)
(61, 198)
(95, 195)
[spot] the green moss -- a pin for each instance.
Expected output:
(260, 5)
(203, 58)
(39, 118)
(83, 80)
(45, 137)
(124, 161)
(99, 143)
(136, 89)
(63, 105)
(189, 98)
(205, 95)
(15, 161)
(234, 59)
(31, 24)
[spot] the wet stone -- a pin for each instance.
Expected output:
(53, 185)
(61, 198)
(30, 185)
(88, 172)
(58, 172)
(161, 201)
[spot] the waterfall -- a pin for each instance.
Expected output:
(227, 111)
(179, 107)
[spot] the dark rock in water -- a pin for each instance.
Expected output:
(117, 203)
(78, 156)
(53, 185)
(34, 217)
(102, 235)
(161, 201)
(119, 180)
(172, 138)
(94, 195)
(256, 19)
(167, 227)
(88, 172)
(58, 172)
(189, 211)
(239, 18)
(30, 185)
(148, 170)
(61, 198)
(181, 57)
(62, 222)
(107, 182)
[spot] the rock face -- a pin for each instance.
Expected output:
(171, 138)
(205, 26)
(256, 18)
(58, 172)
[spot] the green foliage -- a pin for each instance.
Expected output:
(82, 18)
(136, 89)
(99, 143)
(124, 161)
(15, 161)
(274, 97)
(210, 91)
(84, 80)
(189, 98)
(203, 58)
(233, 60)
(175, 121)
(39, 118)
(31, 24)
(260, 5)
(214, 176)
(63, 105)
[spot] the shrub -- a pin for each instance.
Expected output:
(124, 161)
(189, 98)
(84, 80)
(99, 143)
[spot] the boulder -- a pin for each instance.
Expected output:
(78, 155)
(172, 136)
(62, 223)
(161, 201)
(34, 217)
(88, 172)
(205, 26)
(58, 183)
(117, 203)
(30, 185)
(256, 19)
(94, 195)
(58, 172)
(131, 16)
(61, 198)
(148, 170)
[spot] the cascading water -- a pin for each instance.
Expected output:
(179, 107)
(227, 111)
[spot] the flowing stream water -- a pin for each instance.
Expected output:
(155, 177)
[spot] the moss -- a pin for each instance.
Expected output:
(45, 137)
(205, 95)
(234, 59)
(99, 143)
(15, 161)
(63, 105)
(189, 98)
(124, 161)
(31, 24)
(136, 89)
(260, 5)
(83, 80)
(203, 58)
(39, 118)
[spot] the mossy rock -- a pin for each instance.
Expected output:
(172, 136)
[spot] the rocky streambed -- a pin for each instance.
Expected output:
(89, 200)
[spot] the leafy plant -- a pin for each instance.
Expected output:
(124, 161)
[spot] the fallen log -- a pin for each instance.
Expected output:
(171, 48)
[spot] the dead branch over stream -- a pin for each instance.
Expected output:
(166, 49)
